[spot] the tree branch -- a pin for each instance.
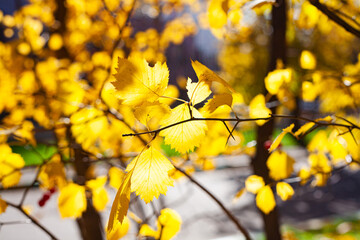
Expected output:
(331, 15)
(220, 204)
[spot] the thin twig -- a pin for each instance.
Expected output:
(220, 204)
(33, 220)
(333, 16)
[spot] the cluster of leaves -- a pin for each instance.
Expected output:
(87, 77)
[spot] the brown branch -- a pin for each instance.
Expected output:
(331, 15)
(33, 220)
(220, 204)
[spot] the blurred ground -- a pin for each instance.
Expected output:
(310, 208)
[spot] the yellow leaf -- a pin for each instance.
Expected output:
(319, 142)
(150, 174)
(72, 201)
(304, 128)
(99, 194)
(319, 163)
(120, 205)
(168, 225)
(119, 231)
(116, 177)
(265, 200)
(186, 136)
(307, 60)
(309, 91)
(197, 91)
(280, 165)
(254, 183)
(305, 175)
(137, 82)
(275, 79)
(217, 101)
(52, 174)
(170, 222)
(205, 74)
(238, 195)
(3, 205)
(171, 93)
(278, 139)
(284, 190)
(146, 112)
(217, 14)
(258, 109)
(11, 179)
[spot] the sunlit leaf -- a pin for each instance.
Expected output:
(99, 194)
(186, 136)
(307, 60)
(280, 165)
(3, 205)
(137, 82)
(304, 128)
(119, 231)
(205, 74)
(217, 101)
(150, 176)
(265, 200)
(275, 79)
(254, 183)
(116, 176)
(278, 139)
(72, 201)
(284, 190)
(168, 225)
(120, 205)
(197, 91)
(258, 109)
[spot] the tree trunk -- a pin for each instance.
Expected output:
(264, 133)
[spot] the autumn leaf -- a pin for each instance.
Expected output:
(72, 201)
(307, 60)
(280, 165)
(120, 205)
(147, 112)
(116, 176)
(217, 15)
(265, 199)
(238, 195)
(136, 82)
(168, 225)
(205, 74)
(275, 80)
(217, 101)
(254, 183)
(197, 91)
(258, 109)
(52, 174)
(119, 231)
(284, 190)
(3, 205)
(304, 128)
(10, 165)
(99, 194)
(186, 136)
(278, 139)
(150, 175)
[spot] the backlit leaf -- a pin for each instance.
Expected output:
(3, 205)
(197, 91)
(120, 205)
(265, 200)
(280, 165)
(99, 194)
(304, 128)
(217, 101)
(116, 176)
(275, 79)
(254, 183)
(284, 190)
(150, 174)
(278, 139)
(186, 136)
(205, 74)
(72, 201)
(307, 60)
(258, 109)
(137, 82)
(119, 231)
